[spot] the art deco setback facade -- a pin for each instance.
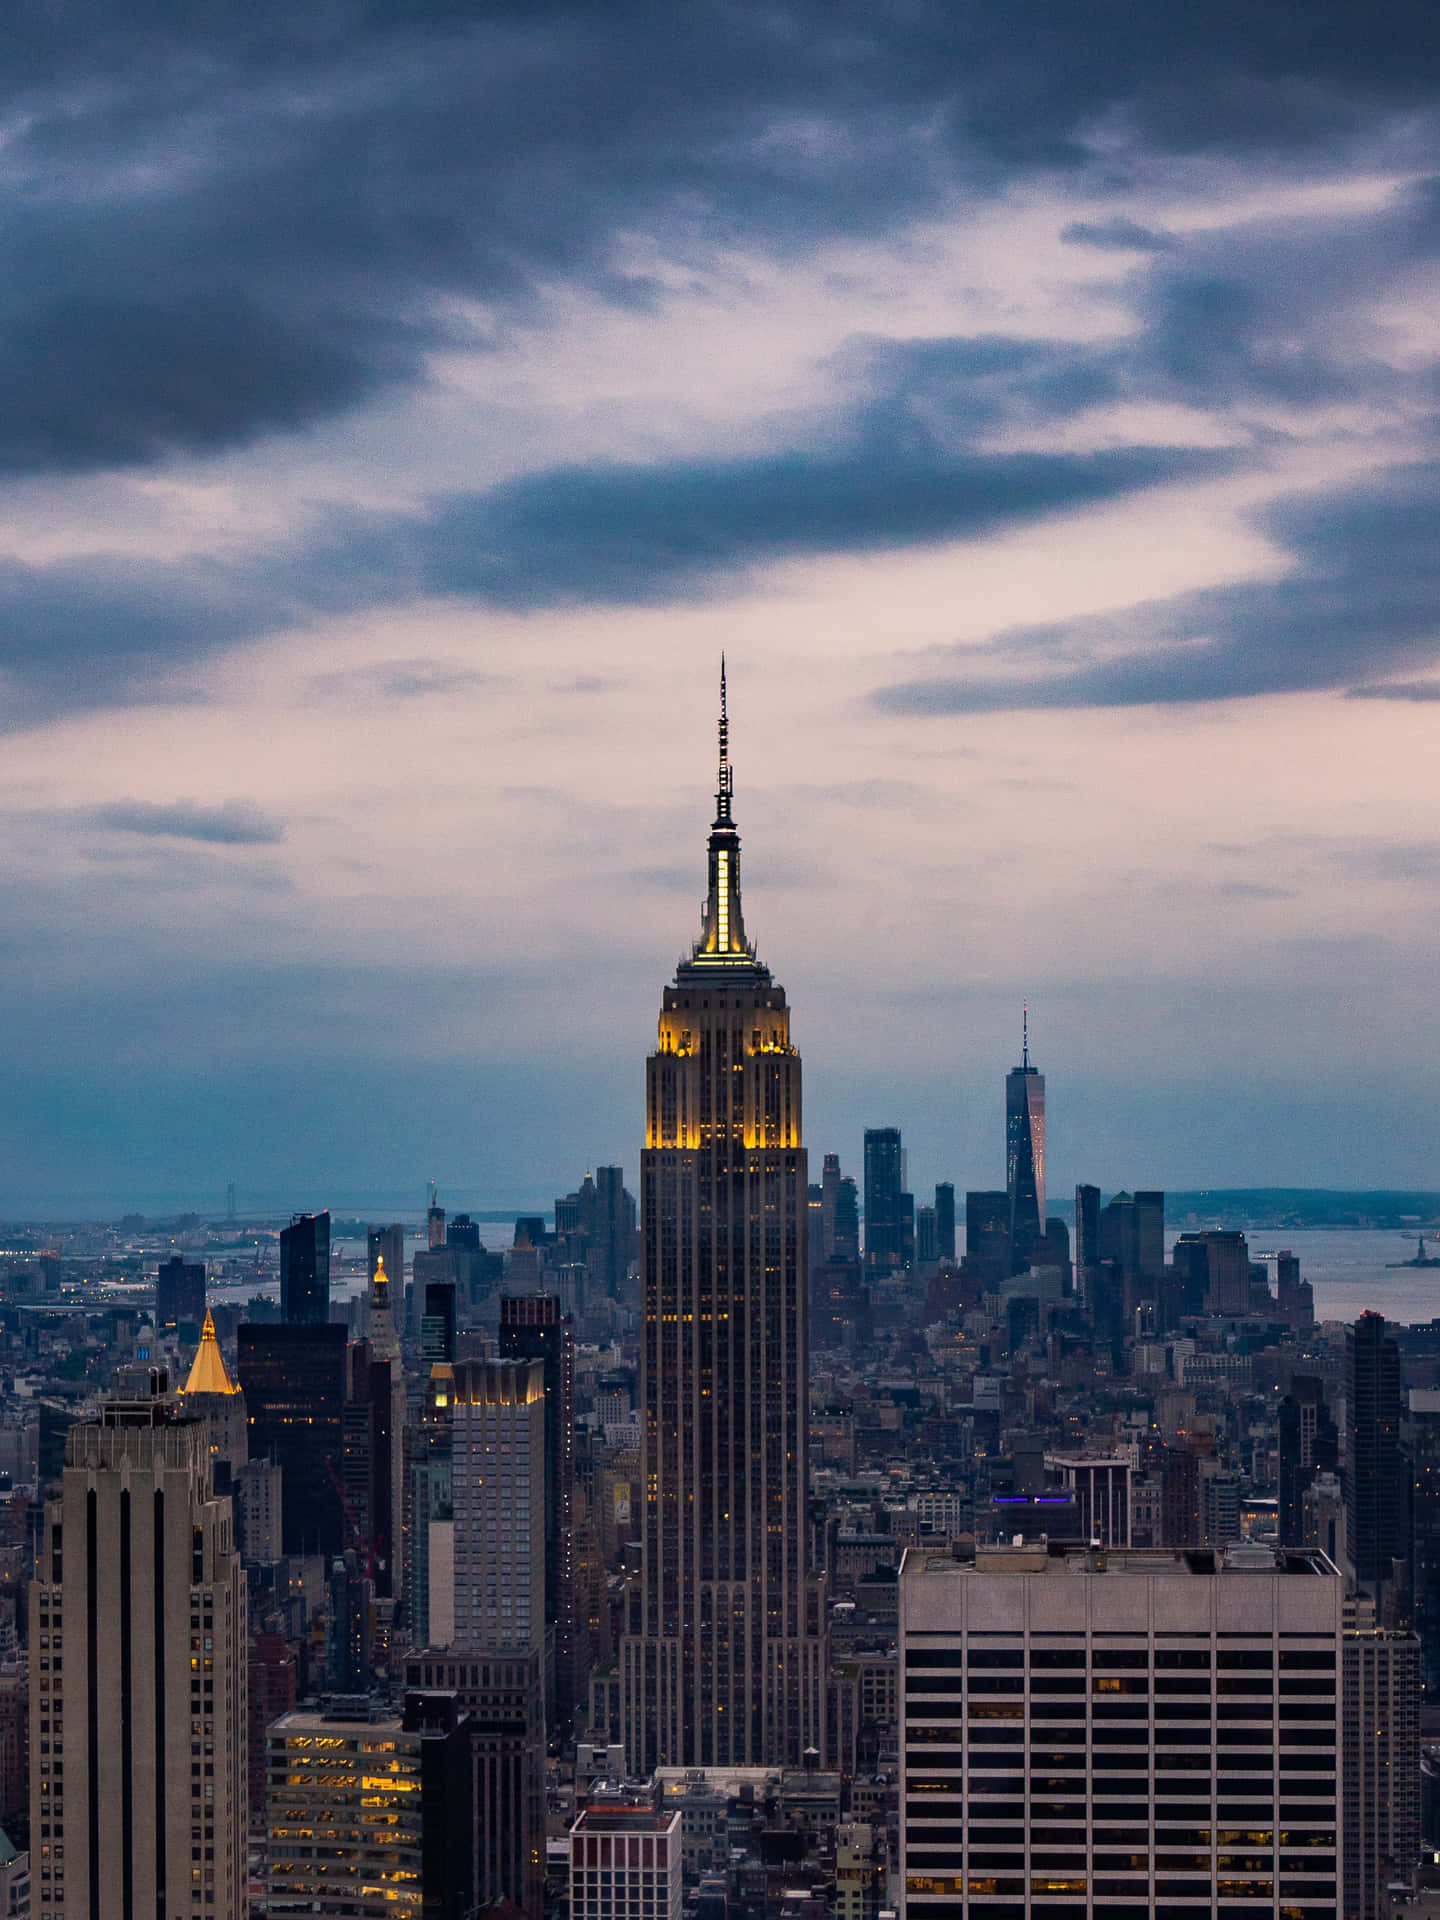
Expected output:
(723, 1665)
(138, 1800)
(1139, 1733)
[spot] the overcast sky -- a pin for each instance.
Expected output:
(402, 405)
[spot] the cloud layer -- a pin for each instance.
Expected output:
(401, 407)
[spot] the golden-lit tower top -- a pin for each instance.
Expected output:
(722, 941)
(208, 1374)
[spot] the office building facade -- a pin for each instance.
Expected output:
(138, 1632)
(1141, 1733)
(532, 1328)
(498, 1480)
(723, 1661)
(626, 1859)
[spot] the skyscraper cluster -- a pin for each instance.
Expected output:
(799, 1549)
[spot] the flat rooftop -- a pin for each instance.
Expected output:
(1062, 1557)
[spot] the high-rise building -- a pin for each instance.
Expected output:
(829, 1200)
(945, 1220)
(293, 1380)
(1025, 1153)
(1133, 1732)
(305, 1270)
(1376, 1477)
(273, 1682)
(723, 1664)
(138, 1638)
(437, 1322)
(987, 1237)
(345, 1816)
(1422, 1445)
(388, 1476)
(884, 1185)
(1221, 1258)
(347, 1638)
(1087, 1240)
(927, 1237)
(498, 1478)
(209, 1394)
(1308, 1443)
(1381, 1762)
(430, 1537)
(847, 1220)
(502, 1697)
(179, 1293)
(532, 1327)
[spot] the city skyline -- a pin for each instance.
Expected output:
(1053, 452)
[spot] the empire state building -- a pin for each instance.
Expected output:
(722, 1664)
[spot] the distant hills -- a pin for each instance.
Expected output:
(1301, 1207)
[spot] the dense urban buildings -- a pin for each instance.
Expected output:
(723, 1661)
(748, 1555)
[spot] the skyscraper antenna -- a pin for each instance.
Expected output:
(723, 791)
(1025, 1033)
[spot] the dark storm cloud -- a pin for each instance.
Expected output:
(1120, 236)
(236, 823)
(239, 219)
(1362, 599)
(1418, 692)
(897, 468)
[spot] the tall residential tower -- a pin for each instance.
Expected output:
(723, 1662)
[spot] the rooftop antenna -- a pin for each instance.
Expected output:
(1025, 1034)
(723, 792)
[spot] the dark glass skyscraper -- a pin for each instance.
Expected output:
(884, 1225)
(945, 1220)
(179, 1292)
(1025, 1154)
(305, 1270)
(723, 1663)
(293, 1379)
(1376, 1480)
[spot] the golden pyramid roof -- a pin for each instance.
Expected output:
(208, 1374)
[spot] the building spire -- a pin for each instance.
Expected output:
(207, 1374)
(1025, 1034)
(722, 936)
(725, 785)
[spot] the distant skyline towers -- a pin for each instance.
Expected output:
(884, 1184)
(945, 1220)
(1376, 1477)
(179, 1293)
(1087, 1240)
(1025, 1152)
(305, 1270)
(987, 1236)
(723, 1665)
